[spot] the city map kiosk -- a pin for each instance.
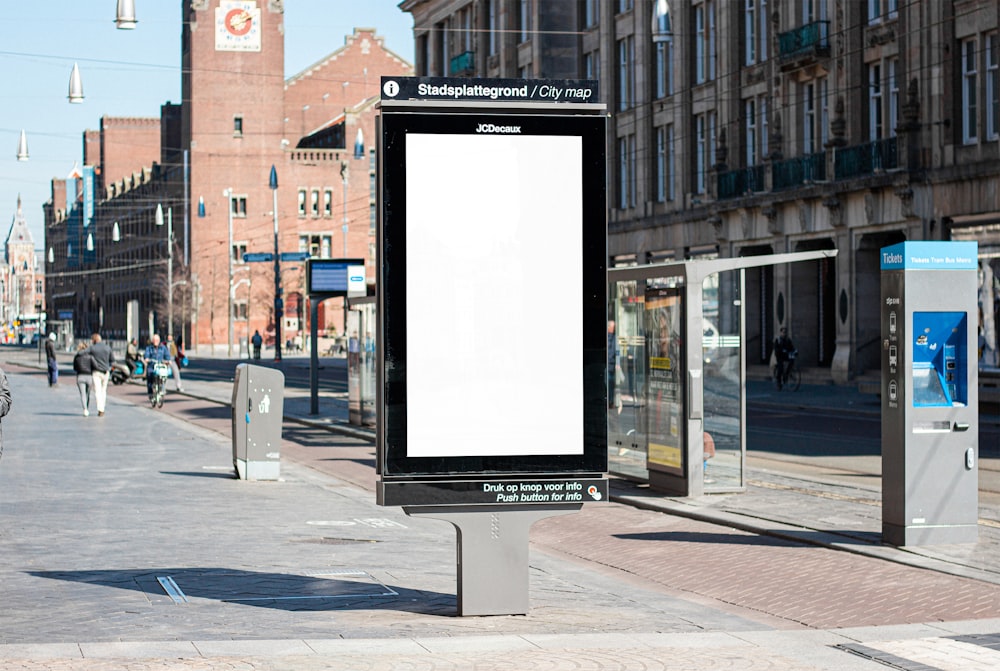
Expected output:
(492, 310)
(930, 404)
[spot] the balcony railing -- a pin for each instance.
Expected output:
(812, 38)
(741, 182)
(797, 171)
(866, 159)
(463, 64)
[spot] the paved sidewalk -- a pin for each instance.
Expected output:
(99, 517)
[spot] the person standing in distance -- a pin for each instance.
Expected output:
(256, 341)
(101, 358)
(50, 360)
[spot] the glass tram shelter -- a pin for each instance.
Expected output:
(677, 412)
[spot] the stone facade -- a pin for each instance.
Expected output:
(769, 126)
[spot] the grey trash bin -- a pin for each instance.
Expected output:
(258, 407)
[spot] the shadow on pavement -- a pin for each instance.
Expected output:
(314, 591)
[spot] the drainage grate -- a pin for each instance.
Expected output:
(245, 586)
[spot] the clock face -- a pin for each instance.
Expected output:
(238, 22)
(237, 26)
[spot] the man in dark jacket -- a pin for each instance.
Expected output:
(102, 358)
(50, 359)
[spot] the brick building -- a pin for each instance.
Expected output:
(205, 164)
(753, 127)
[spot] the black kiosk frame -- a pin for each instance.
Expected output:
(492, 314)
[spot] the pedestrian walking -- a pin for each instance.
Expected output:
(84, 369)
(256, 341)
(50, 360)
(175, 367)
(101, 358)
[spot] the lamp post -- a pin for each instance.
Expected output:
(228, 193)
(170, 264)
(343, 228)
(278, 312)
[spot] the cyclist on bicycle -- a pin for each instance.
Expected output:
(155, 351)
(783, 351)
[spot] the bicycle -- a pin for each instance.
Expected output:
(792, 377)
(161, 371)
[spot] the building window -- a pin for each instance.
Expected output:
(442, 34)
(762, 110)
(238, 251)
(626, 172)
(750, 119)
(493, 27)
(660, 172)
(318, 245)
(992, 86)
(327, 202)
(239, 310)
(238, 205)
(704, 20)
(626, 72)
(314, 202)
(237, 126)
(879, 10)
(592, 65)
(704, 150)
(664, 68)
(809, 118)
(665, 163)
(624, 6)
(970, 82)
(755, 31)
(591, 13)
(893, 82)
(524, 20)
(465, 21)
(822, 89)
(302, 202)
(874, 102)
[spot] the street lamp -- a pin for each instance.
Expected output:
(75, 85)
(125, 16)
(278, 311)
(22, 147)
(170, 264)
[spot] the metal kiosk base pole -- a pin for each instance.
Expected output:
(492, 553)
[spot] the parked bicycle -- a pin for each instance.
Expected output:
(791, 377)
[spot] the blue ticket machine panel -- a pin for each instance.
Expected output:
(940, 359)
(930, 435)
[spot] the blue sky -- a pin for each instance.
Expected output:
(126, 73)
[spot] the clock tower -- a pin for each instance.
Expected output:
(232, 126)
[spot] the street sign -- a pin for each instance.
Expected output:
(294, 256)
(252, 258)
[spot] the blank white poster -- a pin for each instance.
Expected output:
(494, 267)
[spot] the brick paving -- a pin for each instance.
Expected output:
(801, 584)
(83, 529)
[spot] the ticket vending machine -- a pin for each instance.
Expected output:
(930, 404)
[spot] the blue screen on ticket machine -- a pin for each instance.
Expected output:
(940, 359)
